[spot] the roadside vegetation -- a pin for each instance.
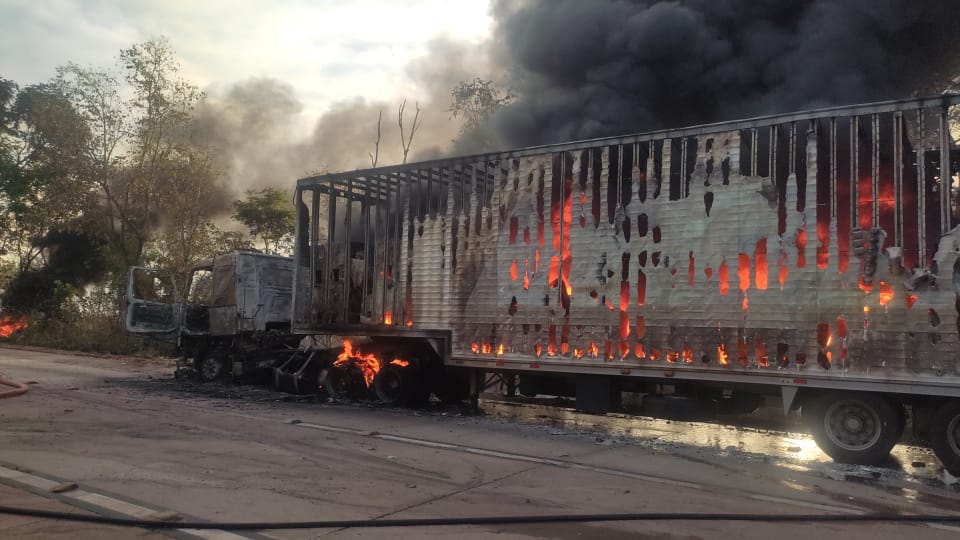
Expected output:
(102, 169)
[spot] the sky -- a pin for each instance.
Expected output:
(327, 50)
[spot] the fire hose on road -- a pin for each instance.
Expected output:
(18, 389)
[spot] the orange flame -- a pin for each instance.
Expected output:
(638, 351)
(910, 299)
(760, 350)
(624, 349)
(553, 273)
(577, 353)
(500, 350)
(722, 354)
(513, 270)
(760, 256)
(538, 349)
(593, 350)
(399, 362)
(566, 260)
(743, 271)
(801, 248)
(475, 347)
(486, 348)
(886, 293)
(687, 354)
(823, 243)
(9, 325)
(388, 318)
(782, 268)
(824, 335)
(526, 275)
(367, 363)
(724, 273)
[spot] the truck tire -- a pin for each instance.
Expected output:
(213, 365)
(391, 384)
(945, 435)
(858, 428)
(343, 382)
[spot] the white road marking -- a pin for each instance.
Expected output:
(805, 504)
(104, 502)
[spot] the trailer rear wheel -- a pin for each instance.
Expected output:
(391, 384)
(945, 435)
(857, 428)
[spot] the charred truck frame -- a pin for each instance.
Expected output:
(811, 256)
(232, 318)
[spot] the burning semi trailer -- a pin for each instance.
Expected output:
(809, 256)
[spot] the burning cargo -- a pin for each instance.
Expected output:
(811, 255)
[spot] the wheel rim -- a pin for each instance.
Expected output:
(340, 383)
(953, 434)
(210, 368)
(852, 425)
(389, 385)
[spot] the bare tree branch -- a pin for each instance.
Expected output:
(406, 142)
(375, 156)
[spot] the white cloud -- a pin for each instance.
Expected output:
(328, 50)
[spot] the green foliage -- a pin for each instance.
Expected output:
(227, 241)
(41, 155)
(111, 154)
(269, 216)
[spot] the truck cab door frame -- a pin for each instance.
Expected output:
(158, 318)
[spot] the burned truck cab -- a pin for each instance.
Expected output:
(230, 315)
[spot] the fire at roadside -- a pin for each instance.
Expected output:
(9, 325)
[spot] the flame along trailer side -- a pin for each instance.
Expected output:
(811, 256)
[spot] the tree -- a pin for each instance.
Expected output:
(475, 101)
(157, 185)
(269, 216)
(190, 196)
(41, 188)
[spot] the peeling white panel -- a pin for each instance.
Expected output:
(503, 288)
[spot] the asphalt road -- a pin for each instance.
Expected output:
(136, 443)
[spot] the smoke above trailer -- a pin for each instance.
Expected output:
(592, 69)
(261, 133)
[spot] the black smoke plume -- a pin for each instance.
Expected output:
(608, 67)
